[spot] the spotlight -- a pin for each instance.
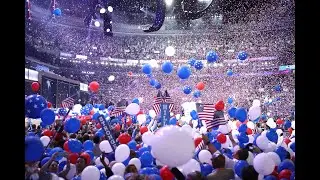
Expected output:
(110, 8)
(97, 24)
(102, 10)
(169, 2)
(108, 30)
(110, 22)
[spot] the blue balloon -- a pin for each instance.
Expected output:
(293, 146)
(47, 116)
(241, 145)
(111, 156)
(102, 107)
(110, 108)
(194, 114)
(242, 128)
(206, 169)
(88, 145)
(239, 166)
(147, 69)
(99, 134)
(142, 150)
(212, 56)
(85, 111)
(216, 144)
(230, 100)
(187, 89)
(96, 106)
(196, 94)
(149, 75)
(277, 88)
(54, 150)
(243, 138)
(99, 167)
(287, 124)
(44, 160)
(191, 61)
(286, 164)
(34, 104)
(198, 65)
(173, 121)
(132, 145)
(89, 106)
(57, 12)
(95, 116)
(229, 72)
(263, 117)
(241, 114)
(146, 171)
(72, 125)
(270, 177)
(74, 145)
(76, 178)
(62, 112)
(152, 82)
(232, 112)
(282, 152)
(136, 100)
(157, 85)
(61, 165)
(155, 177)
(167, 67)
(31, 134)
(184, 72)
(272, 136)
(102, 176)
(91, 154)
(242, 55)
(146, 158)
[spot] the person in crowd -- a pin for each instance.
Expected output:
(220, 173)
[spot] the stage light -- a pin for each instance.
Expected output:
(110, 22)
(110, 8)
(97, 24)
(169, 2)
(108, 30)
(102, 10)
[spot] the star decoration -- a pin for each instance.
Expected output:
(35, 106)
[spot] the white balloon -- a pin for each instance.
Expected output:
(280, 140)
(132, 109)
(262, 142)
(45, 140)
(251, 138)
(235, 134)
(271, 147)
(254, 112)
(270, 122)
(191, 166)
(136, 162)
(118, 169)
(250, 124)
(205, 156)
(116, 177)
(236, 148)
(203, 130)
(105, 146)
(54, 176)
(122, 152)
(90, 173)
(234, 125)
(264, 133)
(279, 131)
(178, 116)
(60, 178)
(147, 137)
(169, 51)
(293, 124)
(141, 118)
(263, 164)
(98, 161)
(275, 157)
(159, 163)
(176, 139)
(72, 171)
(77, 108)
(223, 129)
(103, 170)
(256, 102)
(152, 113)
(187, 128)
(111, 78)
(272, 125)
(293, 139)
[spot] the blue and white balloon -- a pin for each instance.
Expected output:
(242, 55)
(212, 57)
(34, 104)
(187, 89)
(198, 65)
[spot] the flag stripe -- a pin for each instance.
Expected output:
(118, 111)
(66, 103)
(207, 115)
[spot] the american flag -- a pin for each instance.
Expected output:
(167, 99)
(157, 101)
(68, 102)
(212, 118)
(200, 146)
(118, 111)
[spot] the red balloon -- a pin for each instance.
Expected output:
(140, 112)
(249, 131)
(285, 174)
(129, 122)
(200, 86)
(290, 130)
(92, 112)
(49, 104)
(94, 86)
(221, 138)
(87, 157)
(83, 121)
(197, 141)
(275, 172)
(73, 157)
(166, 174)
(143, 129)
(129, 73)
(219, 106)
(66, 146)
(47, 132)
(98, 126)
(117, 127)
(287, 140)
(124, 138)
(35, 86)
(279, 121)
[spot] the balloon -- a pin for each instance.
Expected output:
(86, 156)
(222, 138)
(33, 149)
(105, 146)
(153, 82)
(88, 145)
(143, 129)
(45, 140)
(242, 55)
(124, 138)
(72, 125)
(286, 164)
(173, 121)
(279, 121)
(116, 177)
(72, 172)
(191, 166)
(242, 128)
(132, 145)
(157, 85)
(132, 109)
(239, 166)
(187, 89)
(147, 137)
(287, 124)
(102, 107)
(147, 69)
(136, 162)
(206, 169)
(146, 159)
(90, 153)
(250, 124)
(170, 137)
(223, 129)
(122, 153)
(216, 144)
(262, 142)
(184, 72)
(250, 158)
(152, 113)
(229, 72)
(198, 65)
(292, 146)
(196, 94)
(232, 112)
(94, 86)
(57, 12)
(254, 112)
(118, 168)
(194, 114)
(166, 174)
(200, 86)
(205, 156)
(241, 114)
(34, 104)
(270, 177)
(263, 164)
(191, 61)
(99, 163)
(243, 138)
(272, 136)
(75, 146)
(135, 100)
(230, 100)
(212, 57)
(44, 160)
(35, 86)
(249, 131)
(167, 67)
(197, 141)
(90, 173)
(73, 157)
(285, 174)
(141, 118)
(219, 106)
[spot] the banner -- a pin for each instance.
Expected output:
(108, 134)
(164, 114)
